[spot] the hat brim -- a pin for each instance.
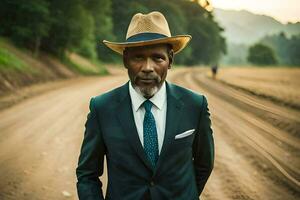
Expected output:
(178, 43)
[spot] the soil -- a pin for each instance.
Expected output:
(278, 84)
(40, 139)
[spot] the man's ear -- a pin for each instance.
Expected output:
(171, 58)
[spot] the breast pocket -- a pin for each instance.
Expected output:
(184, 139)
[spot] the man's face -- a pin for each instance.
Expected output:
(147, 67)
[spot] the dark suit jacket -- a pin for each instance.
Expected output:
(183, 167)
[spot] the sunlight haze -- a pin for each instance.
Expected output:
(283, 11)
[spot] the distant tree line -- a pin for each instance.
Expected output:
(276, 49)
(286, 49)
(57, 26)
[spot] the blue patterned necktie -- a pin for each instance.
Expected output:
(150, 134)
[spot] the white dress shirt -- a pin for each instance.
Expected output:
(159, 111)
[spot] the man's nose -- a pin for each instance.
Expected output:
(148, 66)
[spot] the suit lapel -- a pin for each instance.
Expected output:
(174, 109)
(126, 119)
(125, 115)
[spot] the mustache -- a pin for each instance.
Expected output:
(148, 76)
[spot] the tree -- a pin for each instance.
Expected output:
(294, 50)
(286, 49)
(71, 27)
(207, 44)
(260, 54)
(25, 22)
(103, 27)
(57, 26)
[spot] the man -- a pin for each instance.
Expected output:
(214, 70)
(156, 136)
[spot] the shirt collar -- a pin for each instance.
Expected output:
(158, 99)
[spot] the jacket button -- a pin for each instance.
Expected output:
(152, 183)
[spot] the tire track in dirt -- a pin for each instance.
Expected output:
(287, 146)
(281, 117)
(236, 128)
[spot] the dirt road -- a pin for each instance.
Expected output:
(257, 142)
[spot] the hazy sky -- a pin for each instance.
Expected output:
(282, 10)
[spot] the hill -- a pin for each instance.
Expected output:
(19, 68)
(244, 27)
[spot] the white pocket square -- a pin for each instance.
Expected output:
(184, 134)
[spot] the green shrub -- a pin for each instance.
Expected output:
(9, 61)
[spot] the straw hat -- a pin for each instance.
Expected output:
(149, 29)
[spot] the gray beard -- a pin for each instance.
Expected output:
(146, 92)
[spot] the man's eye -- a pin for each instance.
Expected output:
(137, 57)
(158, 58)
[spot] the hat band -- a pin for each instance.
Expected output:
(145, 37)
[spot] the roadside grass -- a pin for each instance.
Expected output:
(9, 61)
(19, 68)
(84, 66)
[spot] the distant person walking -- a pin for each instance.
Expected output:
(156, 136)
(214, 71)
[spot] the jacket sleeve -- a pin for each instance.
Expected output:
(203, 148)
(90, 164)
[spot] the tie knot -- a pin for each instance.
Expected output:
(148, 105)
